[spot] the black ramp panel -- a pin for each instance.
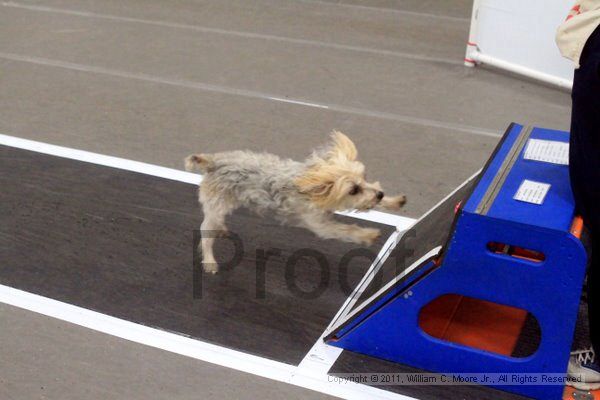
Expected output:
(429, 232)
(121, 243)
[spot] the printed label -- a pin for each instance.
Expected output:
(547, 151)
(532, 192)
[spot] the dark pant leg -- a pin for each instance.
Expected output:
(585, 166)
(593, 295)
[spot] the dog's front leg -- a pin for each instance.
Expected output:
(328, 228)
(393, 202)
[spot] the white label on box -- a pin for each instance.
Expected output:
(532, 192)
(549, 151)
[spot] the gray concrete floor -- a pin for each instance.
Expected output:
(154, 81)
(44, 358)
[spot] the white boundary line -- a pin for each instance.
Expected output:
(190, 347)
(167, 173)
(398, 221)
(310, 374)
(100, 159)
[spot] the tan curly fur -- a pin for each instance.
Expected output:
(303, 194)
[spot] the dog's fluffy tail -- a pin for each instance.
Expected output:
(202, 162)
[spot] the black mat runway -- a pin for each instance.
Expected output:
(121, 243)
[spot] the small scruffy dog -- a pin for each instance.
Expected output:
(303, 194)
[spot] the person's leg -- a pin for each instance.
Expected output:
(585, 163)
(593, 295)
(584, 166)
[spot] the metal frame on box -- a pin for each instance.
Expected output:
(474, 56)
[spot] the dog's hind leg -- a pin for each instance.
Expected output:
(209, 230)
(215, 210)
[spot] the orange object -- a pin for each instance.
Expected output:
(577, 227)
(574, 394)
(475, 323)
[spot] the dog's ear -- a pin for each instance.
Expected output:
(316, 185)
(342, 147)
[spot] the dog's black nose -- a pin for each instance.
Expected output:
(379, 195)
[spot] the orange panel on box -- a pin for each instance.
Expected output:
(475, 323)
(574, 394)
(577, 227)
